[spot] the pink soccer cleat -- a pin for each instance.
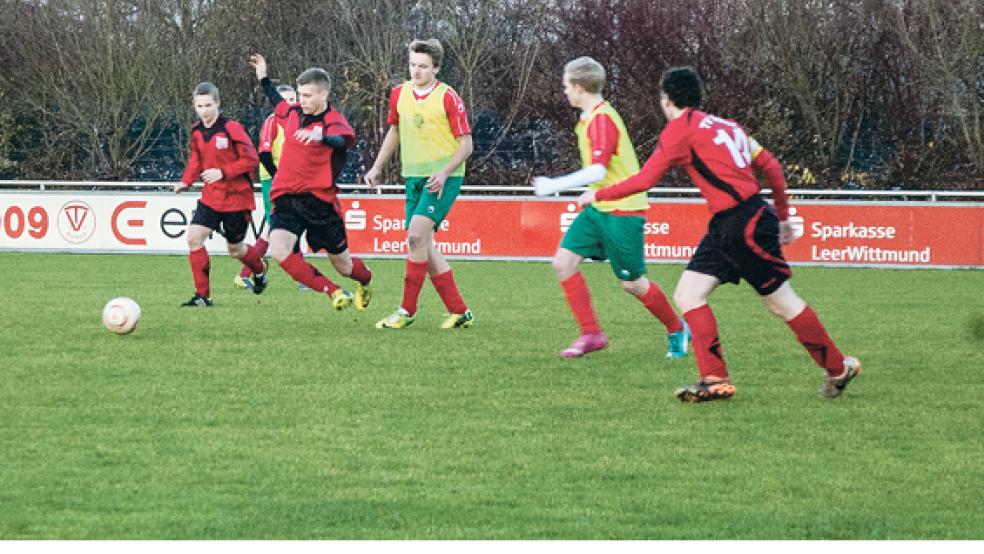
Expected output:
(586, 343)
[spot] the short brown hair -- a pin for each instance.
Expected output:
(587, 73)
(206, 87)
(432, 47)
(315, 75)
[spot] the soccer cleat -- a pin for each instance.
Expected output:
(340, 299)
(363, 295)
(832, 387)
(459, 321)
(585, 344)
(242, 282)
(678, 341)
(198, 301)
(706, 389)
(260, 282)
(302, 287)
(396, 320)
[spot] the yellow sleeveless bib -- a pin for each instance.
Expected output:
(622, 165)
(426, 141)
(276, 149)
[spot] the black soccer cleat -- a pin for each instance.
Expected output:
(198, 301)
(260, 282)
(704, 390)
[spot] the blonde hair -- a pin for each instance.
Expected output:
(586, 73)
(432, 47)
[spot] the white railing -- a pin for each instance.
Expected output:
(926, 195)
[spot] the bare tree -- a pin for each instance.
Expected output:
(946, 42)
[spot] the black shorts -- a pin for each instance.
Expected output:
(743, 243)
(231, 225)
(300, 213)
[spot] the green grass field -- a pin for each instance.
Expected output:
(275, 417)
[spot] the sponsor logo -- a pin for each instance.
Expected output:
(566, 219)
(76, 222)
(355, 218)
(796, 223)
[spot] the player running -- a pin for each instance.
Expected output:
(303, 192)
(610, 230)
(743, 236)
(429, 123)
(221, 155)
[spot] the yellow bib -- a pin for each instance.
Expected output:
(276, 148)
(621, 166)
(426, 141)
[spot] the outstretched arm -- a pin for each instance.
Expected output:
(543, 186)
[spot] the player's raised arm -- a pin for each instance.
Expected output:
(260, 65)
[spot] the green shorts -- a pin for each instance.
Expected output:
(618, 238)
(421, 201)
(265, 189)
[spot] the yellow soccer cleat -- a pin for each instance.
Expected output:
(459, 321)
(363, 295)
(396, 320)
(340, 299)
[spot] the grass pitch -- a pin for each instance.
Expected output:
(276, 417)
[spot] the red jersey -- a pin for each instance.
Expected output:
(454, 107)
(307, 168)
(224, 146)
(719, 157)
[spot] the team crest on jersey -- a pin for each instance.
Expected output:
(418, 121)
(221, 143)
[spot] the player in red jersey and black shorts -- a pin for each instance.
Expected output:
(743, 236)
(303, 192)
(222, 156)
(304, 195)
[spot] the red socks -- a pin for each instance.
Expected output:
(360, 272)
(811, 334)
(412, 283)
(655, 301)
(200, 266)
(307, 274)
(254, 253)
(579, 299)
(448, 291)
(707, 345)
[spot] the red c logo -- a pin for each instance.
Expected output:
(114, 224)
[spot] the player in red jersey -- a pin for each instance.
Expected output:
(222, 156)
(271, 145)
(304, 195)
(743, 236)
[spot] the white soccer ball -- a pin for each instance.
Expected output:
(121, 315)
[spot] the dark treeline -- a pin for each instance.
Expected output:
(847, 93)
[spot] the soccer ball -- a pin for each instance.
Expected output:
(121, 315)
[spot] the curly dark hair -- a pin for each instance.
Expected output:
(683, 86)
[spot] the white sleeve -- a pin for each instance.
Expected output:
(544, 186)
